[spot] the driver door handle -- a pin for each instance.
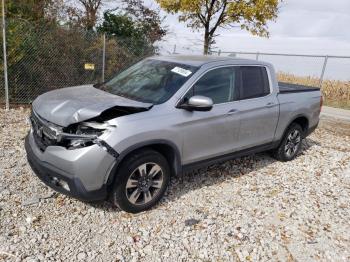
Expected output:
(270, 104)
(232, 111)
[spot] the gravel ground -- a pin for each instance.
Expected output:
(252, 208)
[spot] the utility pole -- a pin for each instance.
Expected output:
(104, 57)
(323, 70)
(5, 55)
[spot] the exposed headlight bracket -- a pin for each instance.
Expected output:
(103, 144)
(89, 138)
(58, 135)
(67, 136)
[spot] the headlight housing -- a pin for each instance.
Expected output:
(74, 136)
(83, 134)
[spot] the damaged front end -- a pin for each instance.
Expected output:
(74, 136)
(78, 117)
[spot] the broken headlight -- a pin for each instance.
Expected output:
(83, 134)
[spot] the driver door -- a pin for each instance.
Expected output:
(211, 133)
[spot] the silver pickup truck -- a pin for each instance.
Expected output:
(163, 116)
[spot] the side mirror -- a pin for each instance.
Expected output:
(198, 103)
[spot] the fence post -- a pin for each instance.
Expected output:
(219, 53)
(5, 56)
(257, 56)
(323, 70)
(103, 57)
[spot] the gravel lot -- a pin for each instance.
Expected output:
(252, 208)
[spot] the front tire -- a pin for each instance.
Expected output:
(290, 145)
(141, 181)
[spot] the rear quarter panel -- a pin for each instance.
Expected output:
(294, 105)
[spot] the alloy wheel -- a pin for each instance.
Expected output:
(144, 183)
(292, 143)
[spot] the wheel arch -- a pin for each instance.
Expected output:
(303, 121)
(300, 119)
(167, 148)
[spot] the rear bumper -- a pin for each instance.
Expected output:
(54, 178)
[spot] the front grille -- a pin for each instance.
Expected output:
(44, 136)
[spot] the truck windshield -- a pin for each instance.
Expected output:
(150, 81)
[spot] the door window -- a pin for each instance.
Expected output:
(254, 82)
(218, 84)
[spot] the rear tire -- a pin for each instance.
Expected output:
(141, 181)
(290, 145)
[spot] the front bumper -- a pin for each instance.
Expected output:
(55, 177)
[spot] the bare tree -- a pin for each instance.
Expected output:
(91, 8)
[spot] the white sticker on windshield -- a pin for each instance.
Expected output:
(181, 71)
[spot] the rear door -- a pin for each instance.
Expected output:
(258, 107)
(210, 134)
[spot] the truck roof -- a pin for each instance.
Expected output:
(199, 60)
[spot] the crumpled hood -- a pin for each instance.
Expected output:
(75, 104)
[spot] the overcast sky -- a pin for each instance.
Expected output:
(302, 26)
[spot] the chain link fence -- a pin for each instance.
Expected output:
(42, 58)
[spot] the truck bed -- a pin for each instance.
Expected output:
(294, 88)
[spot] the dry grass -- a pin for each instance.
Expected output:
(335, 93)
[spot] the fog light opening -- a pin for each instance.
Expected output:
(64, 185)
(60, 183)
